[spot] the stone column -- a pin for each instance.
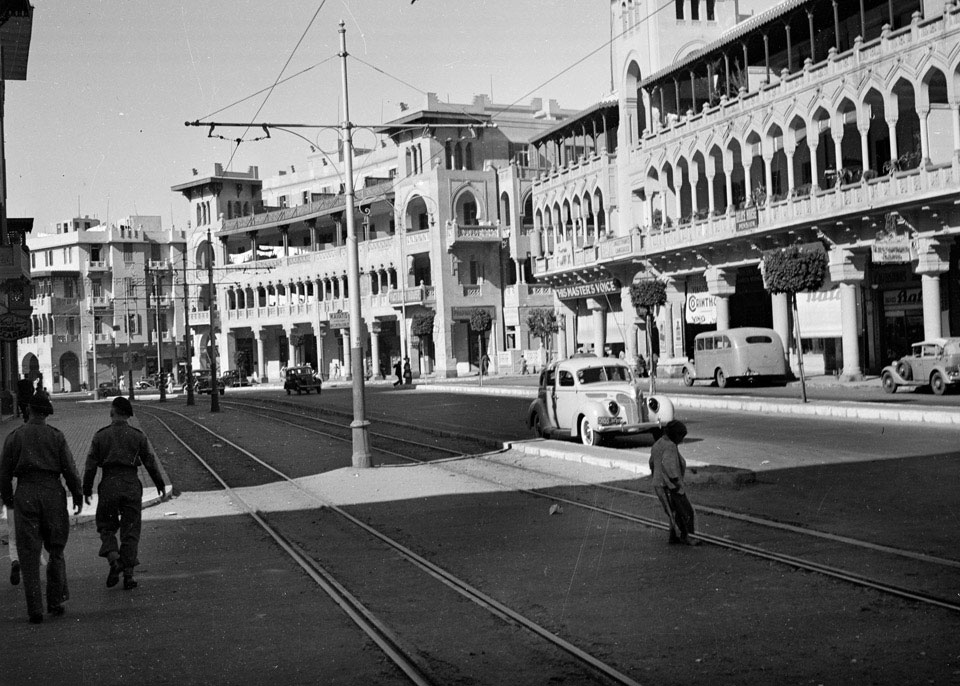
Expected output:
(924, 134)
(864, 146)
(599, 313)
(261, 362)
(814, 172)
(668, 349)
(374, 348)
(892, 133)
(346, 367)
(566, 323)
(847, 269)
(711, 193)
(838, 155)
(768, 175)
(630, 322)
(933, 260)
(694, 174)
(291, 348)
(721, 284)
(285, 235)
(728, 178)
(402, 328)
(781, 321)
(791, 173)
(254, 245)
(314, 235)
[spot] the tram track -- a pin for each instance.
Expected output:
(405, 659)
(756, 551)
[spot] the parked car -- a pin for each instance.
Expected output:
(934, 363)
(742, 353)
(301, 379)
(593, 398)
(234, 377)
(107, 389)
(201, 382)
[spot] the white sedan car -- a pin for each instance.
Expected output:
(594, 398)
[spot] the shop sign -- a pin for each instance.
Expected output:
(340, 320)
(588, 290)
(464, 313)
(892, 252)
(701, 308)
(13, 326)
(904, 297)
(747, 218)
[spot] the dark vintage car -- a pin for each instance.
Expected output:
(107, 389)
(934, 363)
(302, 380)
(234, 378)
(201, 382)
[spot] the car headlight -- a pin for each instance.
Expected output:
(613, 407)
(653, 404)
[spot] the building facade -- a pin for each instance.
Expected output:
(106, 300)
(812, 122)
(443, 207)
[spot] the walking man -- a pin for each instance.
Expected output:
(667, 468)
(118, 450)
(398, 370)
(37, 455)
(24, 391)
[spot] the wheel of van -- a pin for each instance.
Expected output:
(587, 434)
(721, 379)
(888, 383)
(687, 377)
(937, 383)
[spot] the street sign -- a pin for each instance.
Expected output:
(14, 326)
(339, 320)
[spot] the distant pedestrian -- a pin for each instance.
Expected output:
(24, 392)
(37, 455)
(667, 468)
(523, 365)
(118, 450)
(407, 372)
(398, 370)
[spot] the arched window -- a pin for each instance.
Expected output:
(199, 214)
(458, 156)
(468, 156)
(448, 155)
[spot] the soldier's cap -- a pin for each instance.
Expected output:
(122, 406)
(40, 402)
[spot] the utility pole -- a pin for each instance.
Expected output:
(161, 381)
(214, 386)
(187, 343)
(128, 358)
(361, 441)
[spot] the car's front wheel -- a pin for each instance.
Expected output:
(889, 385)
(588, 435)
(537, 425)
(937, 383)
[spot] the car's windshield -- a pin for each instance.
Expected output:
(590, 375)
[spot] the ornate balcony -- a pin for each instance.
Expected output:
(97, 266)
(464, 234)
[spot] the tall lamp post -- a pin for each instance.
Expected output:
(361, 441)
(214, 386)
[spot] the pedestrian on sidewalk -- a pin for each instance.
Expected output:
(667, 468)
(24, 391)
(118, 450)
(38, 455)
(398, 370)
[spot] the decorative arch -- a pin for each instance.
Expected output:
(466, 207)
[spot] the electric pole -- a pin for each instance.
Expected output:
(161, 381)
(361, 441)
(214, 386)
(187, 343)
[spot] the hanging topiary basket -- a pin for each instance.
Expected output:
(794, 270)
(647, 294)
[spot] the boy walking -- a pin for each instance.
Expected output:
(118, 450)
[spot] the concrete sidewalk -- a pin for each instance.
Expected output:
(821, 409)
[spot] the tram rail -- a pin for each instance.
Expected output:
(793, 561)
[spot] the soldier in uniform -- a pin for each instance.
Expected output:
(37, 455)
(119, 449)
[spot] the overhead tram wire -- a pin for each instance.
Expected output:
(279, 76)
(667, 4)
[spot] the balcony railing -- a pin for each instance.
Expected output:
(101, 301)
(472, 233)
(159, 265)
(408, 296)
(97, 266)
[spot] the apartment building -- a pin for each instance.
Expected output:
(104, 296)
(743, 128)
(443, 204)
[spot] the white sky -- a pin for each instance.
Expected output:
(98, 124)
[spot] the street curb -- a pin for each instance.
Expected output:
(818, 409)
(539, 447)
